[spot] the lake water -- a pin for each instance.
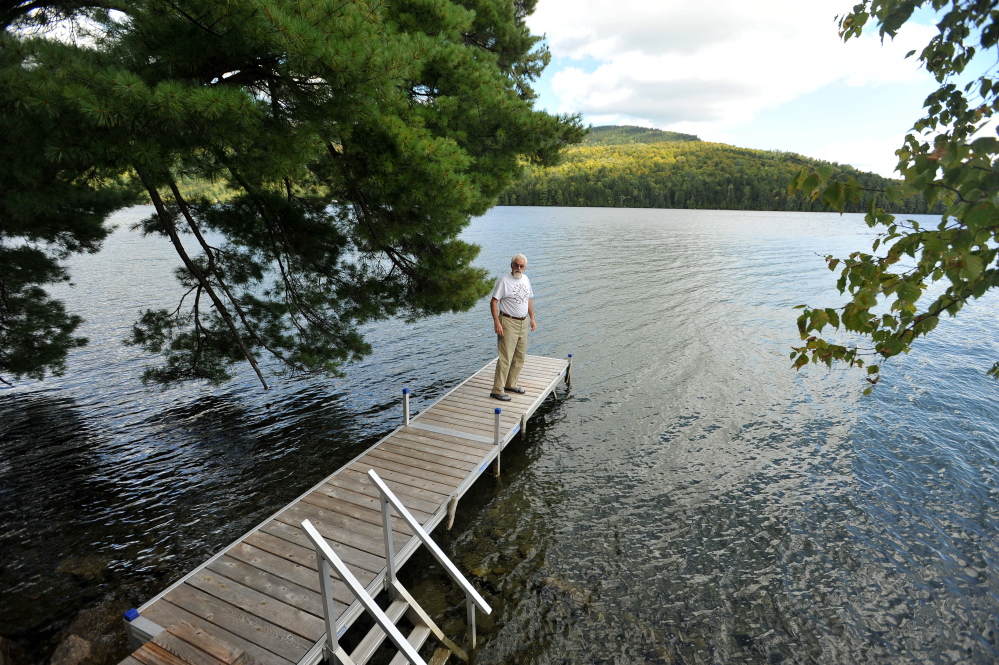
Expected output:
(691, 500)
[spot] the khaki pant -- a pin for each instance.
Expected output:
(512, 348)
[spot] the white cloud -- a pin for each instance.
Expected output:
(705, 68)
(877, 156)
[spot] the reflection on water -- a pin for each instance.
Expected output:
(693, 500)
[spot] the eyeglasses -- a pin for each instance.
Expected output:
(519, 265)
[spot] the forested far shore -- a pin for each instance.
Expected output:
(636, 167)
(642, 170)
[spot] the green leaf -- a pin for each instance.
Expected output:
(909, 292)
(866, 299)
(973, 267)
(925, 325)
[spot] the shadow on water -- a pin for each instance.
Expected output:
(46, 467)
(98, 521)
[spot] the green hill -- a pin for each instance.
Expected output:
(635, 167)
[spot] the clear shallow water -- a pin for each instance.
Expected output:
(694, 500)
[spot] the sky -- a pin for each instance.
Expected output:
(767, 74)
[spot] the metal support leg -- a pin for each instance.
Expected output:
(470, 606)
(496, 441)
(568, 372)
(390, 577)
(405, 407)
(326, 591)
(523, 427)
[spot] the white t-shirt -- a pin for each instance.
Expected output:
(513, 294)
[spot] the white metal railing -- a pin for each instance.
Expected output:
(389, 500)
(326, 557)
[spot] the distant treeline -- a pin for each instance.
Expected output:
(633, 167)
(622, 134)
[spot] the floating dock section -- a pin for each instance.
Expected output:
(259, 600)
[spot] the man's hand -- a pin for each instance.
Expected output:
(494, 308)
(534, 324)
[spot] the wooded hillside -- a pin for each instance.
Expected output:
(635, 167)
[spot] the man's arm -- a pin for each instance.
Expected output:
(497, 326)
(530, 312)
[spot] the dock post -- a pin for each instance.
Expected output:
(470, 612)
(405, 407)
(390, 578)
(523, 426)
(568, 372)
(326, 593)
(496, 440)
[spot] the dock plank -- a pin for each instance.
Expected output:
(465, 446)
(357, 511)
(429, 479)
(281, 568)
(364, 536)
(397, 477)
(185, 652)
(331, 492)
(483, 430)
(254, 629)
(271, 585)
(462, 467)
(216, 649)
(262, 606)
(442, 449)
(154, 654)
(422, 464)
(483, 419)
(399, 486)
(344, 483)
(166, 613)
(290, 543)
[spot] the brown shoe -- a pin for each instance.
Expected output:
(500, 396)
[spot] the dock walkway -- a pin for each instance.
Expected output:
(259, 598)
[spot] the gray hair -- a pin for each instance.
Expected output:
(516, 258)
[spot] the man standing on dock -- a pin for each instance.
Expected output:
(512, 304)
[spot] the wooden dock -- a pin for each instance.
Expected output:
(259, 598)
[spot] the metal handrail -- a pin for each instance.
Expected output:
(325, 556)
(472, 597)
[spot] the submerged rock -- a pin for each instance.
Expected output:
(84, 566)
(100, 626)
(8, 651)
(71, 651)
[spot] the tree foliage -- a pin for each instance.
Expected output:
(915, 274)
(357, 138)
(638, 172)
